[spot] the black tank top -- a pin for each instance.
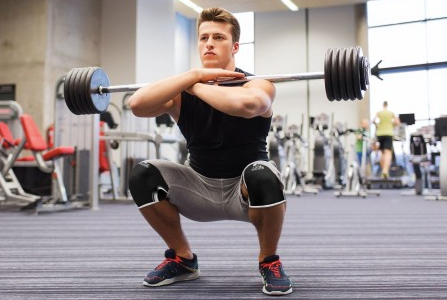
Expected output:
(220, 145)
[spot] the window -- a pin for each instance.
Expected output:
(437, 40)
(398, 45)
(394, 11)
(245, 58)
(436, 9)
(412, 36)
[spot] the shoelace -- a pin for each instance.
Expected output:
(168, 260)
(275, 267)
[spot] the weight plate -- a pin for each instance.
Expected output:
(83, 105)
(78, 93)
(67, 98)
(83, 102)
(365, 73)
(75, 91)
(350, 73)
(362, 69)
(328, 75)
(335, 74)
(100, 101)
(356, 78)
(342, 74)
(87, 90)
(72, 92)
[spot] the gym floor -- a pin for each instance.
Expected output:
(387, 247)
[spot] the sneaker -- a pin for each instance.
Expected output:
(385, 175)
(276, 281)
(173, 268)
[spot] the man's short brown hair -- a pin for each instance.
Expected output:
(217, 14)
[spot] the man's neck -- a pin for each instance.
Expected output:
(231, 66)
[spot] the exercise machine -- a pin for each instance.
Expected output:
(420, 161)
(275, 142)
(441, 135)
(323, 161)
(338, 154)
(11, 190)
(398, 173)
(355, 183)
(293, 173)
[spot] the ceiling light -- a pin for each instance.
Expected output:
(290, 5)
(192, 5)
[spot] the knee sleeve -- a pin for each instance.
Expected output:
(264, 187)
(146, 184)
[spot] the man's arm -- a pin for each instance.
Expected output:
(253, 99)
(374, 121)
(164, 96)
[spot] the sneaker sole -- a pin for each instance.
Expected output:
(276, 293)
(183, 277)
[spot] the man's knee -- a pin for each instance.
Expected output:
(147, 185)
(263, 185)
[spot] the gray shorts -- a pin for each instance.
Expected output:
(205, 199)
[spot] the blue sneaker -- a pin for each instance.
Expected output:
(276, 282)
(173, 268)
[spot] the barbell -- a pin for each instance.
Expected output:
(346, 75)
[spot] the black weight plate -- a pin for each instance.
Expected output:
(342, 74)
(353, 64)
(76, 91)
(335, 74)
(328, 74)
(363, 83)
(100, 101)
(87, 90)
(356, 65)
(72, 92)
(67, 98)
(350, 73)
(80, 91)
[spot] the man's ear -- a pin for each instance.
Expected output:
(235, 48)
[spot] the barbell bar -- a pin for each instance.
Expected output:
(346, 76)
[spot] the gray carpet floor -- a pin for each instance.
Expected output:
(386, 247)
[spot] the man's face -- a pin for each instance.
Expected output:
(216, 47)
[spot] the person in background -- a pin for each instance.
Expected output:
(385, 121)
(362, 136)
